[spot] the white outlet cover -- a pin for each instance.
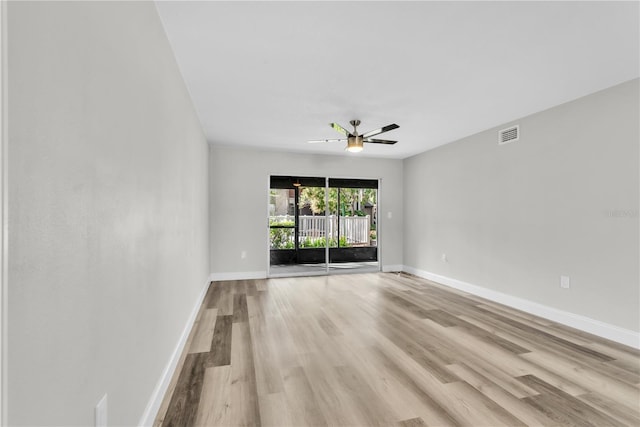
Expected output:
(101, 412)
(565, 282)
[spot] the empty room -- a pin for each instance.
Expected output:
(320, 213)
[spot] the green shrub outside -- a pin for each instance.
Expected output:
(282, 238)
(320, 242)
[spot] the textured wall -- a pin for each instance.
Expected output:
(563, 200)
(108, 192)
(239, 197)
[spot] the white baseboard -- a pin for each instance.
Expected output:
(240, 275)
(586, 324)
(151, 411)
(392, 268)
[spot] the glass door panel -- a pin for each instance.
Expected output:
(355, 245)
(297, 236)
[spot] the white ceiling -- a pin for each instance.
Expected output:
(274, 74)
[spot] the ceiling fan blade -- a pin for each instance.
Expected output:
(386, 128)
(317, 141)
(340, 129)
(380, 141)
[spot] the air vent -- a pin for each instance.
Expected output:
(509, 135)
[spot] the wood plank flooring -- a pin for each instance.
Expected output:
(388, 349)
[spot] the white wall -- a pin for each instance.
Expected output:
(108, 222)
(3, 213)
(561, 201)
(239, 197)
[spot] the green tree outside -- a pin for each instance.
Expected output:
(350, 200)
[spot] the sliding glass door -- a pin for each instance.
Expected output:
(321, 225)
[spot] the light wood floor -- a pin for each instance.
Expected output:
(389, 349)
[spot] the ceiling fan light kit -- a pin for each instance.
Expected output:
(355, 141)
(354, 144)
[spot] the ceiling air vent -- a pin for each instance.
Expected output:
(508, 135)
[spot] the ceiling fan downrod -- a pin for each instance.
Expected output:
(355, 124)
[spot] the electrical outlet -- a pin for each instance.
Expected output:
(389, 215)
(565, 282)
(101, 412)
(243, 254)
(444, 258)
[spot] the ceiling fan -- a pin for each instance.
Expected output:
(354, 140)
